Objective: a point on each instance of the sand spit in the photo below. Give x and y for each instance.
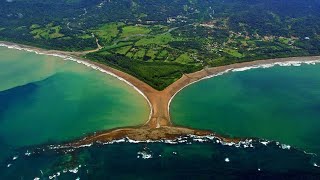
(159, 125)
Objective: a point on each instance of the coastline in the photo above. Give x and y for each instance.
(149, 135)
(159, 125)
(70, 56)
(221, 70)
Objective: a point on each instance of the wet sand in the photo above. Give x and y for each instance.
(159, 125)
(145, 134)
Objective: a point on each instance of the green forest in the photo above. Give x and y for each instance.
(158, 41)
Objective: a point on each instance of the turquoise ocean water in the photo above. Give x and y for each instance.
(279, 103)
(45, 100)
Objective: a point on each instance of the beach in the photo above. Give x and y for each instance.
(159, 125)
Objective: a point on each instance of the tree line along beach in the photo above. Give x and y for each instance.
(159, 101)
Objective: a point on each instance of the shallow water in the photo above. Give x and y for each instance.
(47, 99)
(70, 90)
(278, 103)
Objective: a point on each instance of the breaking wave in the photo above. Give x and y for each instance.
(264, 66)
(69, 58)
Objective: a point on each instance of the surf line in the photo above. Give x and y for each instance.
(263, 65)
(93, 66)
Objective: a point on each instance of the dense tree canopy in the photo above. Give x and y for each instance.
(167, 37)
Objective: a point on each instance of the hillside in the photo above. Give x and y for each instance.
(158, 41)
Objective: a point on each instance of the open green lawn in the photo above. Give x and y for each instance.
(284, 40)
(107, 32)
(116, 46)
(152, 53)
(233, 52)
(85, 36)
(160, 39)
(123, 50)
(157, 74)
(48, 32)
(140, 54)
(184, 59)
(128, 31)
(163, 55)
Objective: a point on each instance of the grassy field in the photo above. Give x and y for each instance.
(161, 39)
(123, 50)
(233, 52)
(159, 57)
(173, 34)
(107, 32)
(50, 31)
(184, 59)
(129, 31)
(157, 74)
(140, 54)
(163, 54)
(152, 54)
(85, 36)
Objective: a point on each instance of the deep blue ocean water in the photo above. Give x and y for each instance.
(24, 155)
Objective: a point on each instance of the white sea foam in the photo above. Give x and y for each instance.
(75, 170)
(308, 153)
(267, 65)
(316, 165)
(86, 145)
(69, 58)
(188, 139)
(15, 157)
(265, 142)
(284, 146)
(227, 160)
(247, 143)
(27, 153)
(57, 174)
(144, 155)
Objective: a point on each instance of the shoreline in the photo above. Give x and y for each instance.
(67, 57)
(159, 125)
(137, 135)
(269, 63)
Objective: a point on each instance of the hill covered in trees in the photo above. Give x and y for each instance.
(159, 40)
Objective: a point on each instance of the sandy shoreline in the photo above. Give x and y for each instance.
(75, 56)
(189, 79)
(159, 125)
(136, 135)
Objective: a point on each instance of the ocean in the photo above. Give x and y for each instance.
(278, 103)
(45, 101)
